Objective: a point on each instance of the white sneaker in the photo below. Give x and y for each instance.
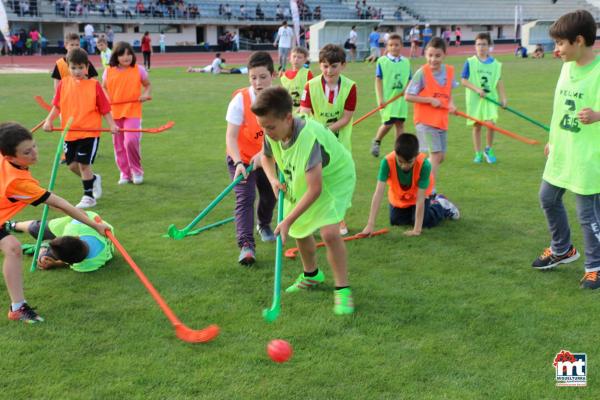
(138, 179)
(97, 188)
(448, 205)
(86, 202)
(123, 180)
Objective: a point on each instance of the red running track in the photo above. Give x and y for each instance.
(196, 59)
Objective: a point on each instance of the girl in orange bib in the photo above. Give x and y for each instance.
(128, 87)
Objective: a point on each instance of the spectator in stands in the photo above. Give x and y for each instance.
(415, 41)
(35, 39)
(398, 13)
(259, 12)
(457, 34)
(24, 8)
(351, 43)
(221, 9)
(110, 36)
(147, 49)
(446, 36)
(278, 12)
(374, 38)
(89, 38)
(286, 13)
(539, 51)
(127, 10)
(243, 12)
(317, 13)
(427, 35)
(139, 8)
(283, 41)
(227, 11)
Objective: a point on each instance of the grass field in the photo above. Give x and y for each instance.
(456, 313)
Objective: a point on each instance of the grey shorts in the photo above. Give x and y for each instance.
(284, 52)
(432, 139)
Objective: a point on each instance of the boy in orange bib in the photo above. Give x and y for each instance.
(18, 189)
(431, 91)
(85, 101)
(408, 175)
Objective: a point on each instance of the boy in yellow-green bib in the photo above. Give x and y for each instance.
(319, 182)
(482, 76)
(391, 78)
(295, 79)
(573, 149)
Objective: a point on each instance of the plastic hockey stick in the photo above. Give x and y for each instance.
(291, 253)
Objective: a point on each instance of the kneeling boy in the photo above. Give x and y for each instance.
(319, 183)
(410, 179)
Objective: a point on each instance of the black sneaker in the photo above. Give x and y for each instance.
(591, 280)
(25, 314)
(549, 260)
(266, 233)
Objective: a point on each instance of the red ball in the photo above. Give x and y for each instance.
(279, 350)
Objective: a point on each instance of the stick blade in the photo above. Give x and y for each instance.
(271, 314)
(197, 336)
(175, 233)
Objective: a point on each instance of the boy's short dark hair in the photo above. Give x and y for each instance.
(69, 249)
(101, 39)
(261, 59)
(484, 36)
(78, 56)
(11, 135)
(300, 50)
(275, 101)
(71, 36)
(437, 43)
(574, 24)
(120, 49)
(407, 146)
(395, 36)
(332, 53)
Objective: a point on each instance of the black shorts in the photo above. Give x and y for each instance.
(34, 230)
(393, 120)
(82, 151)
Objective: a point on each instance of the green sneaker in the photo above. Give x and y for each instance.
(478, 157)
(306, 282)
(490, 157)
(343, 302)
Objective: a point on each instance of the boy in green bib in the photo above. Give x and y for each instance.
(319, 183)
(331, 98)
(482, 76)
(71, 244)
(295, 79)
(573, 149)
(391, 78)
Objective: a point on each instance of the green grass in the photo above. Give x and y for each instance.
(456, 313)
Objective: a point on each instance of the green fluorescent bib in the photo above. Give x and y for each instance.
(327, 113)
(574, 159)
(486, 77)
(339, 178)
(295, 86)
(67, 226)
(395, 77)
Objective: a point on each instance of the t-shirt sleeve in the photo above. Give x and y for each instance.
(56, 72)
(465, 72)
(27, 191)
(143, 73)
(350, 104)
(416, 84)
(101, 100)
(267, 150)
(235, 110)
(425, 175)
(384, 171)
(305, 100)
(379, 72)
(56, 99)
(92, 73)
(315, 157)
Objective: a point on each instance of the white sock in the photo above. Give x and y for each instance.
(16, 306)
